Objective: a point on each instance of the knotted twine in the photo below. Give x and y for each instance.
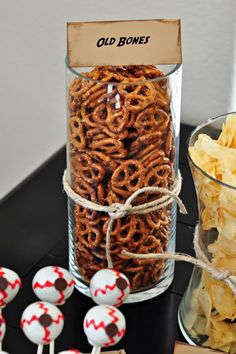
(118, 210)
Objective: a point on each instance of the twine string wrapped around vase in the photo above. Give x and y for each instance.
(117, 211)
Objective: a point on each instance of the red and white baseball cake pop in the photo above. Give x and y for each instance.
(104, 326)
(109, 287)
(42, 322)
(2, 328)
(53, 284)
(10, 284)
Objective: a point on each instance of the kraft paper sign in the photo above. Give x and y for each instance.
(124, 42)
(183, 348)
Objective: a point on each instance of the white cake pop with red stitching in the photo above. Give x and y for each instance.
(3, 352)
(109, 287)
(104, 326)
(42, 322)
(53, 284)
(10, 284)
(2, 327)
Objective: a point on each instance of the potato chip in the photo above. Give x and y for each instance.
(223, 245)
(222, 334)
(223, 300)
(227, 137)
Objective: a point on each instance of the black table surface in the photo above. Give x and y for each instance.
(33, 229)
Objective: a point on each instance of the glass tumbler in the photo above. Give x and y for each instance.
(123, 134)
(207, 313)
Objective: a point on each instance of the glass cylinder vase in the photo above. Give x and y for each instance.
(123, 134)
(207, 313)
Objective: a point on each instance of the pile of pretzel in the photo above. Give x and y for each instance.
(121, 140)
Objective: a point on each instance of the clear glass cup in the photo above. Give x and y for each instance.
(207, 311)
(123, 134)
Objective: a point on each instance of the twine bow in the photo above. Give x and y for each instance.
(117, 211)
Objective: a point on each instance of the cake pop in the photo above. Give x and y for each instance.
(104, 326)
(10, 284)
(42, 323)
(109, 287)
(53, 284)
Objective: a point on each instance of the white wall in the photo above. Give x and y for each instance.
(32, 74)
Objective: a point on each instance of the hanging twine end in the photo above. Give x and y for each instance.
(125, 254)
(183, 210)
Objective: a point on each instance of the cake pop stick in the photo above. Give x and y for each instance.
(96, 350)
(52, 347)
(10, 284)
(2, 330)
(109, 287)
(104, 326)
(53, 284)
(40, 349)
(42, 323)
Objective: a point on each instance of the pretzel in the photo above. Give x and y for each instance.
(137, 95)
(157, 219)
(117, 120)
(145, 152)
(103, 159)
(114, 119)
(130, 230)
(162, 120)
(140, 280)
(162, 234)
(128, 177)
(169, 143)
(81, 213)
(83, 188)
(156, 272)
(88, 170)
(95, 133)
(75, 100)
(144, 140)
(109, 146)
(151, 245)
(148, 71)
(154, 158)
(84, 252)
(146, 121)
(77, 136)
(95, 218)
(88, 235)
(115, 74)
(157, 176)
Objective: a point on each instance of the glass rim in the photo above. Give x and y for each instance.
(75, 72)
(200, 126)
